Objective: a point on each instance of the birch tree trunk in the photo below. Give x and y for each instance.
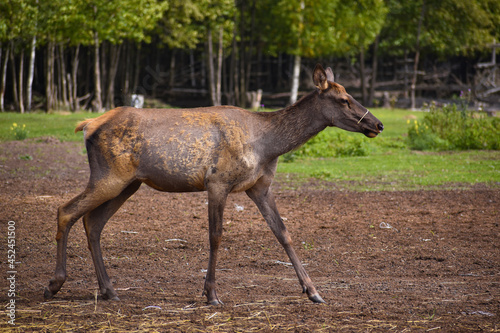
(295, 79)
(21, 82)
(5, 60)
(31, 73)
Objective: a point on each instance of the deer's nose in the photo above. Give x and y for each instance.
(380, 127)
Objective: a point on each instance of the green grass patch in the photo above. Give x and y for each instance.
(404, 170)
(61, 126)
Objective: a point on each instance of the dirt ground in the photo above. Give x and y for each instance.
(383, 261)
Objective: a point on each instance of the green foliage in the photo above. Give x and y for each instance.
(454, 128)
(449, 27)
(313, 28)
(178, 28)
(118, 20)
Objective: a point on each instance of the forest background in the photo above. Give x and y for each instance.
(94, 55)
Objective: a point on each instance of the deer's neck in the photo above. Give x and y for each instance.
(289, 128)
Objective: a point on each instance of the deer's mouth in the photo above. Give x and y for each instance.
(373, 133)
(370, 134)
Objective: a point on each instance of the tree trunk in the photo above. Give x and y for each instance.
(295, 80)
(31, 73)
(211, 70)
(114, 56)
(362, 75)
(417, 58)
(74, 72)
(21, 82)
(219, 68)
(126, 74)
(137, 69)
(103, 62)
(280, 72)
(171, 79)
(374, 71)
(97, 104)
(4, 78)
(62, 77)
(241, 98)
(406, 72)
(49, 77)
(248, 57)
(191, 69)
(1, 73)
(233, 72)
(14, 78)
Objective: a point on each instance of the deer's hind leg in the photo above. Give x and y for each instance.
(96, 193)
(94, 221)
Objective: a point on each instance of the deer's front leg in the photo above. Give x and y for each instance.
(263, 198)
(216, 204)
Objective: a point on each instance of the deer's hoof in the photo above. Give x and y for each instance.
(316, 298)
(215, 302)
(47, 294)
(110, 297)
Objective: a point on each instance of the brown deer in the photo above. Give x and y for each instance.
(221, 150)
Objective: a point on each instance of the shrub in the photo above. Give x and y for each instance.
(452, 128)
(421, 137)
(20, 132)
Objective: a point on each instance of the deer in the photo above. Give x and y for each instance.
(218, 149)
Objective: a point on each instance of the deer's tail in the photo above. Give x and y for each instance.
(82, 125)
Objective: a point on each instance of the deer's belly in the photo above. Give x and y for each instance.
(233, 174)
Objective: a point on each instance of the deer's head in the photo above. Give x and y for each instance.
(341, 108)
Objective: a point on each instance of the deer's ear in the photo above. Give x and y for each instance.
(329, 75)
(320, 77)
